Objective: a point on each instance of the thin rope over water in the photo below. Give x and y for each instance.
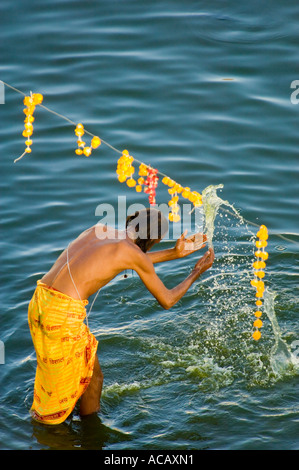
(174, 188)
(70, 122)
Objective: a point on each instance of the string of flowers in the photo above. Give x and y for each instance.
(125, 172)
(148, 177)
(30, 102)
(82, 148)
(259, 273)
(175, 189)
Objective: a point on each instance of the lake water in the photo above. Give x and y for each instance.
(201, 91)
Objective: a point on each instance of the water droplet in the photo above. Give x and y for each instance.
(280, 248)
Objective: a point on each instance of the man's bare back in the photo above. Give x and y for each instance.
(100, 253)
(95, 257)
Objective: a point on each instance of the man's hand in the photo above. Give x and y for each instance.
(205, 262)
(185, 246)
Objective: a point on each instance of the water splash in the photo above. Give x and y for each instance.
(281, 359)
(211, 204)
(229, 309)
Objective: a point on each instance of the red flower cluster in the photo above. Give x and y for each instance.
(151, 182)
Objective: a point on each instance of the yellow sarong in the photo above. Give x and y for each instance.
(65, 352)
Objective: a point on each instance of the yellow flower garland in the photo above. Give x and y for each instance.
(259, 273)
(82, 148)
(30, 102)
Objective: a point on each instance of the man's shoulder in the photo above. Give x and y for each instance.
(132, 253)
(121, 246)
(129, 247)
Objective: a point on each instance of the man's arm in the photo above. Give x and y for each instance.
(168, 297)
(162, 255)
(184, 247)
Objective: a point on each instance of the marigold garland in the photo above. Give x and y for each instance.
(30, 102)
(148, 176)
(82, 148)
(125, 172)
(259, 273)
(175, 189)
(148, 182)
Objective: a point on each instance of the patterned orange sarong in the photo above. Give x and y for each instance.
(65, 352)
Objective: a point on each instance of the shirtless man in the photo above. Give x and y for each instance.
(101, 253)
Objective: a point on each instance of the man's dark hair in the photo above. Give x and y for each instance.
(154, 226)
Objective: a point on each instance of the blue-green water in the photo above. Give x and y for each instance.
(152, 77)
